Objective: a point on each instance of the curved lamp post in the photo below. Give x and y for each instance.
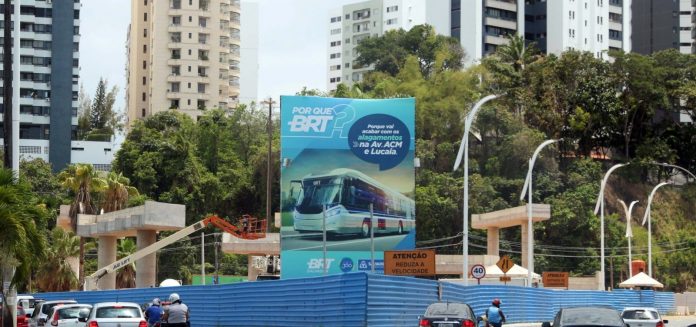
(527, 189)
(664, 164)
(599, 208)
(647, 217)
(629, 232)
(464, 151)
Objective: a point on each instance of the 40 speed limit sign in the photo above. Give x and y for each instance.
(478, 272)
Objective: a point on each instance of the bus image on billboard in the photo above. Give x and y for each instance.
(346, 196)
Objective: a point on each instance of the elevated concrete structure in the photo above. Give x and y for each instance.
(494, 221)
(142, 222)
(269, 245)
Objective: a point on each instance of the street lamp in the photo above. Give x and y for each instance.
(629, 232)
(464, 150)
(647, 216)
(527, 188)
(599, 208)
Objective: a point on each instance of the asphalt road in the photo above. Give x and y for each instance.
(674, 321)
(297, 242)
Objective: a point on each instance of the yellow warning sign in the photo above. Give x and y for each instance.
(505, 264)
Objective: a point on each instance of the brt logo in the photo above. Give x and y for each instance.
(317, 264)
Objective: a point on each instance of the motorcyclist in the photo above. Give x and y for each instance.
(153, 314)
(495, 315)
(177, 314)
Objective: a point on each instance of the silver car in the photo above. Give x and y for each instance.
(643, 317)
(115, 314)
(42, 309)
(68, 315)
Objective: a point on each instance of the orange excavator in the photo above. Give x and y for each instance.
(251, 229)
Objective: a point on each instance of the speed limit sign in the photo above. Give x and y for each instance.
(478, 272)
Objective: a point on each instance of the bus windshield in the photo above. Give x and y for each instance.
(318, 192)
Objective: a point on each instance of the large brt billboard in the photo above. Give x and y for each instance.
(339, 158)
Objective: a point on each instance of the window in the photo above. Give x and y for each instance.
(336, 19)
(176, 70)
(144, 48)
(176, 20)
(335, 43)
(200, 104)
(175, 37)
(145, 16)
(335, 80)
(174, 87)
(347, 65)
(175, 4)
(201, 88)
(392, 8)
(176, 53)
(335, 31)
(335, 67)
(144, 80)
(174, 104)
(614, 35)
(143, 112)
(144, 64)
(145, 32)
(144, 96)
(391, 21)
(335, 55)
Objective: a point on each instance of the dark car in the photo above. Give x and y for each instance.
(586, 317)
(448, 314)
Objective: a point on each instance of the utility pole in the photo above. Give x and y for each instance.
(216, 279)
(269, 126)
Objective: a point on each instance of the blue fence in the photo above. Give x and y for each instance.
(360, 299)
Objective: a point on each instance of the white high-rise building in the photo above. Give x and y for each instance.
(249, 53)
(354, 22)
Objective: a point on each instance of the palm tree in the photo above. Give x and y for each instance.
(117, 192)
(55, 274)
(82, 180)
(21, 243)
(125, 278)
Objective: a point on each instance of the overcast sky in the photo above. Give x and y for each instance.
(292, 44)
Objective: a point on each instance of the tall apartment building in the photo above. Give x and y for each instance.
(49, 86)
(183, 55)
(556, 26)
(664, 25)
(249, 53)
(354, 22)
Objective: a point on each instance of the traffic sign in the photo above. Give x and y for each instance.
(478, 271)
(505, 264)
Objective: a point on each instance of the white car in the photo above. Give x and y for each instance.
(68, 315)
(643, 317)
(115, 314)
(27, 302)
(42, 309)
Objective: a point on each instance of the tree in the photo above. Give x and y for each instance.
(84, 113)
(21, 243)
(125, 278)
(117, 192)
(388, 52)
(55, 273)
(104, 121)
(82, 180)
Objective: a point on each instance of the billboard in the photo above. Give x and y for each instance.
(341, 158)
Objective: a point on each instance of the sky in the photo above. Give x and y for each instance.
(292, 44)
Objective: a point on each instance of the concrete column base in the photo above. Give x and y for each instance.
(252, 273)
(106, 254)
(493, 241)
(146, 267)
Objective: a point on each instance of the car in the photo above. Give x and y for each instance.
(643, 317)
(586, 317)
(448, 314)
(42, 309)
(22, 319)
(27, 302)
(115, 314)
(68, 315)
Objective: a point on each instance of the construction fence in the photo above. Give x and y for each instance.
(362, 299)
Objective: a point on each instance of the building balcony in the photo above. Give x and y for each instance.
(508, 24)
(615, 26)
(614, 43)
(496, 39)
(509, 5)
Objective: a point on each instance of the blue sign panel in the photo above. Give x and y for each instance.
(347, 171)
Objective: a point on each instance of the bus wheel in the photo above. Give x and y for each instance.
(401, 227)
(365, 229)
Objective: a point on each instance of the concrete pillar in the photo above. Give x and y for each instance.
(146, 267)
(252, 272)
(525, 264)
(106, 254)
(493, 241)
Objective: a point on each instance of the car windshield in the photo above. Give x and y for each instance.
(118, 312)
(318, 192)
(46, 308)
(69, 313)
(639, 314)
(591, 317)
(447, 309)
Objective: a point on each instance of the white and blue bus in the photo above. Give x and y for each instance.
(347, 195)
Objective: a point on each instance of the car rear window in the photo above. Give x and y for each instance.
(70, 313)
(639, 315)
(591, 317)
(46, 308)
(447, 309)
(118, 312)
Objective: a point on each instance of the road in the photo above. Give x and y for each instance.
(298, 242)
(674, 321)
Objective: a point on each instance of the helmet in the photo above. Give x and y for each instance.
(496, 302)
(156, 301)
(174, 297)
